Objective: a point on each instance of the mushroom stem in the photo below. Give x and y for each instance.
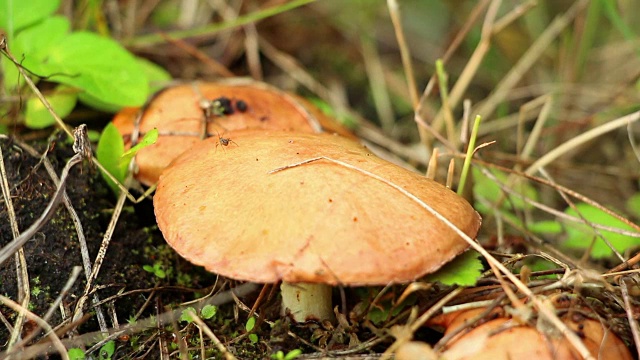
(307, 301)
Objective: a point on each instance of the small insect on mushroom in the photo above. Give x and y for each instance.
(224, 141)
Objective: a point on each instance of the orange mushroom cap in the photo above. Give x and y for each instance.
(316, 223)
(178, 114)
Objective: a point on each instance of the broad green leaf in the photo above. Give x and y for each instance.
(18, 14)
(487, 188)
(149, 138)
(579, 235)
(253, 338)
(464, 270)
(157, 76)
(62, 100)
(633, 205)
(109, 152)
(99, 66)
(32, 45)
(546, 227)
(208, 311)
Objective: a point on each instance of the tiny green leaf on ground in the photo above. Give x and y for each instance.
(109, 153)
(464, 270)
(98, 65)
(62, 100)
(107, 350)
(579, 236)
(75, 354)
(208, 311)
(187, 314)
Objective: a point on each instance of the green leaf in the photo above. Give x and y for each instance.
(32, 45)
(208, 311)
(17, 14)
(107, 350)
(251, 322)
(253, 338)
(62, 100)
(99, 66)
(633, 205)
(75, 354)
(293, 354)
(464, 270)
(148, 268)
(149, 138)
(546, 227)
(187, 315)
(488, 189)
(579, 236)
(157, 76)
(109, 152)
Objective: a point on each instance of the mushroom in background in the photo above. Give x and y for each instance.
(310, 226)
(501, 337)
(180, 113)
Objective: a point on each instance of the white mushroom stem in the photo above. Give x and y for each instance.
(307, 301)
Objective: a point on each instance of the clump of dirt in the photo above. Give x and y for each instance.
(52, 254)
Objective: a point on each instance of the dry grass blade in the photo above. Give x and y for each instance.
(24, 293)
(55, 340)
(581, 139)
(48, 212)
(211, 335)
(631, 317)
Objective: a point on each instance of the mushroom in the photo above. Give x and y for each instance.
(502, 337)
(178, 113)
(311, 226)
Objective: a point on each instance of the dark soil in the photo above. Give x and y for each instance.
(53, 253)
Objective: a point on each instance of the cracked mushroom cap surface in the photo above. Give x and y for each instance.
(320, 222)
(177, 113)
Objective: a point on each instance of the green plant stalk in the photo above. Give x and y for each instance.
(467, 158)
(215, 28)
(443, 83)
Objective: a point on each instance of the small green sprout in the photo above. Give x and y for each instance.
(289, 356)
(251, 323)
(156, 269)
(187, 315)
(208, 311)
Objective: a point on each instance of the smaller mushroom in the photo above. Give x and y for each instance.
(182, 113)
(311, 226)
(501, 337)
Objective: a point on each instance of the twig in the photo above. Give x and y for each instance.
(581, 139)
(84, 250)
(100, 258)
(65, 289)
(48, 212)
(628, 307)
(211, 335)
(55, 340)
(24, 293)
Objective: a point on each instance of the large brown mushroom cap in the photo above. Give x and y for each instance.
(178, 115)
(317, 223)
